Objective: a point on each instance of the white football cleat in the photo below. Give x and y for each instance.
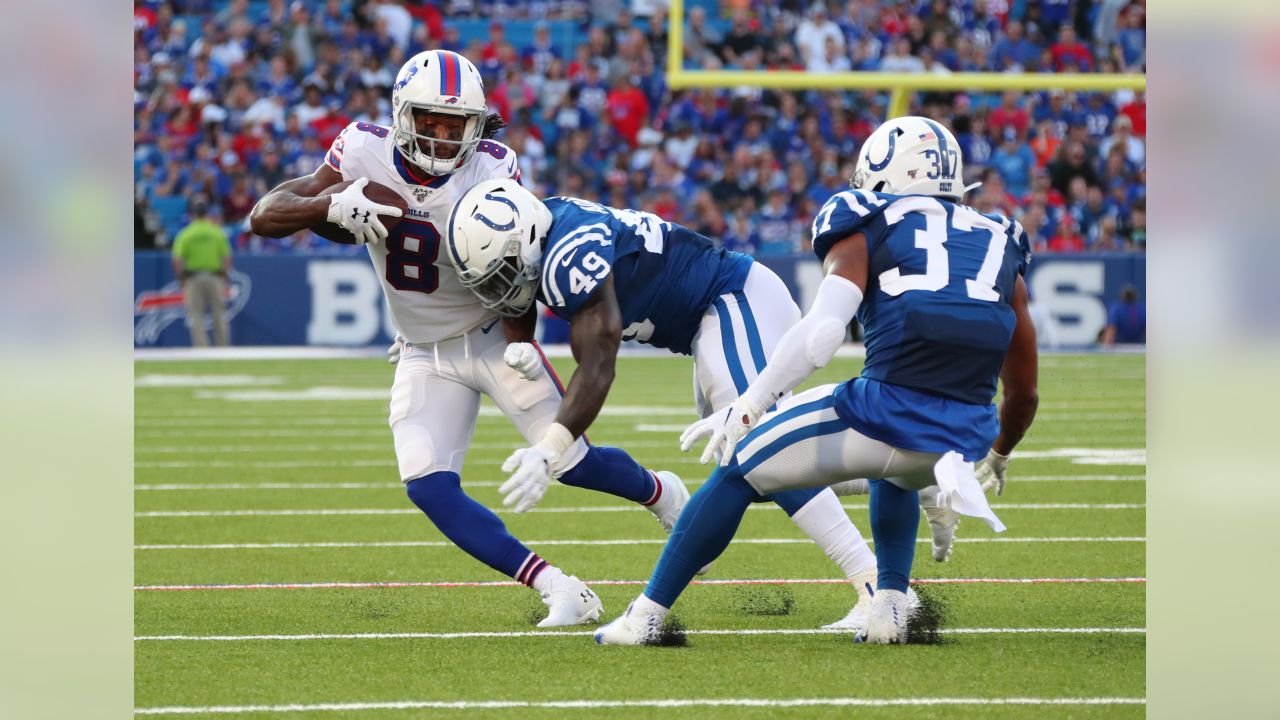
(856, 620)
(943, 522)
(630, 630)
(673, 499)
(887, 621)
(571, 603)
(671, 503)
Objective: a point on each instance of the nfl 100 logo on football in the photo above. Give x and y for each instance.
(156, 310)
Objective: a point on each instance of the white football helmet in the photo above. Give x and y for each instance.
(911, 156)
(495, 237)
(444, 82)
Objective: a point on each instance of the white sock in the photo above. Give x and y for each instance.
(826, 523)
(865, 584)
(644, 606)
(549, 574)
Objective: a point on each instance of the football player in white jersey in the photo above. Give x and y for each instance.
(434, 151)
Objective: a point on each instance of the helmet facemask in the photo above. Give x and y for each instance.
(434, 157)
(437, 82)
(509, 285)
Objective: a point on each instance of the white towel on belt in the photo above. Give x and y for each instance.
(960, 491)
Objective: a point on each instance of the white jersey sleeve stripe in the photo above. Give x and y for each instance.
(550, 285)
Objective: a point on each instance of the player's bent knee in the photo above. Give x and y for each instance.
(427, 490)
(415, 450)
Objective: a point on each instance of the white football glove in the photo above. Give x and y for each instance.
(397, 347)
(524, 359)
(531, 469)
(725, 430)
(357, 214)
(990, 472)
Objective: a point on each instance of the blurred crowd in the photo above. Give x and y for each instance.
(233, 97)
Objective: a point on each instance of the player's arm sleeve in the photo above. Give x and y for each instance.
(573, 271)
(333, 158)
(809, 344)
(846, 213)
(1019, 238)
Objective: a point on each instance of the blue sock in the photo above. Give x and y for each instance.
(895, 517)
(705, 527)
(793, 500)
(613, 471)
(473, 527)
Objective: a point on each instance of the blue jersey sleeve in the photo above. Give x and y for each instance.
(573, 269)
(1019, 238)
(846, 213)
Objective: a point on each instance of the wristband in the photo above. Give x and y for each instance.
(556, 441)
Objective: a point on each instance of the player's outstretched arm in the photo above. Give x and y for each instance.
(808, 345)
(595, 332)
(1019, 377)
(293, 205)
(521, 354)
(811, 343)
(521, 329)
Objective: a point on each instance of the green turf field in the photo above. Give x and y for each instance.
(283, 473)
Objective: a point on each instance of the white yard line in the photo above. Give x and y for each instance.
(586, 509)
(386, 447)
(160, 487)
(608, 704)
(512, 583)
(588, 633)
(593, 543)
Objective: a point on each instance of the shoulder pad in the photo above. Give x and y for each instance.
(574, 265)
(847, 212)
(498, 160)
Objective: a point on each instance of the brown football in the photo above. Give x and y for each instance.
(376, 192)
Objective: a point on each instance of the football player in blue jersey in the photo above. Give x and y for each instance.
(622, 274)
(939, 290)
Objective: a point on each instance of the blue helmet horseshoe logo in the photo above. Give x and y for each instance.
(509, 225)
(893, 141)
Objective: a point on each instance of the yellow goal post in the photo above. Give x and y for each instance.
(901, 85)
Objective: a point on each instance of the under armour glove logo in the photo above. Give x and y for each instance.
(355, 215)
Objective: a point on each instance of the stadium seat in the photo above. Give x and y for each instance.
(172, 212)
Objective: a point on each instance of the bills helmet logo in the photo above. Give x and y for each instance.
(451, 101)
(413, 70)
